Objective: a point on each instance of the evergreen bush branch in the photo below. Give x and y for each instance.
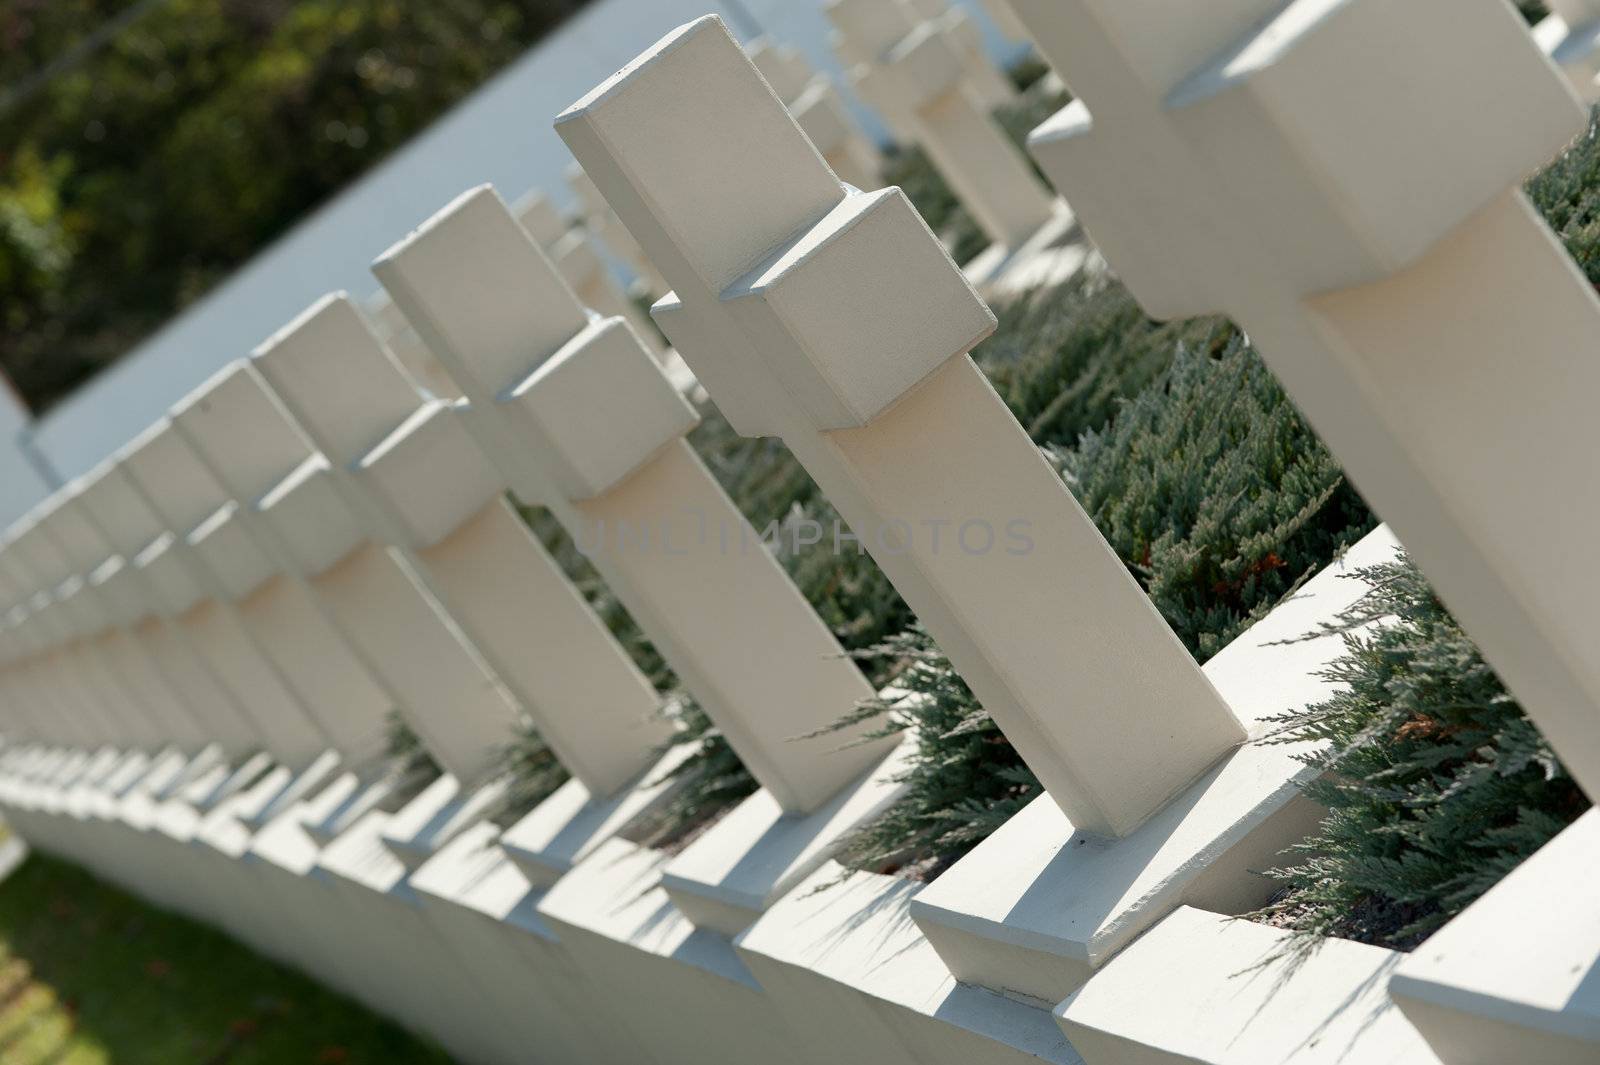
(1435, 781)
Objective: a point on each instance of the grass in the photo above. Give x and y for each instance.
(90, 975)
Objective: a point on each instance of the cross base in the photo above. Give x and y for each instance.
(689, 996)
(567, 827)
(1516, 976)
(1036, 908)
(1202, 988)
(858, 981)
(478, 898)
(727, 878)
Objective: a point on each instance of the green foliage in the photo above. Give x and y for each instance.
(1532, 10)
(1213, 489)
(534, 774)
(963, 781)
(1066, 358)
(1567, 193)
(1436, 782)
(149, 168)
(406, 761)
(40, 32)
(90, 975)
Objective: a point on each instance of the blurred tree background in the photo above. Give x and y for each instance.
(150, 147)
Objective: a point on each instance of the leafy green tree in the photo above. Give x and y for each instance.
(36, 245)
(194, 136)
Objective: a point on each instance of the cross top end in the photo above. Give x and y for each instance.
(74, 532)
(589, 400)
(785, 69)
(117, 508)
(790, 291)
(483, 296)
(1186, 152)
(873, 27)
(337, 379)
(730, 176)
(172, 477)
(539, 217)
(236, 423)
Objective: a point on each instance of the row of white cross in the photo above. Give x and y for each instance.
(206, 634)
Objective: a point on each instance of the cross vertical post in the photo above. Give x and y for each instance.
(835, 321)
(591, 428)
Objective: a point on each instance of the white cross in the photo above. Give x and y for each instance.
(281, 514)
(1570, 36)
(1371, 235)
(574, 252)
(589, 426)
(914, 74)
(64, 677)
(291, 729)
(988, 82)
(271, 638)
(262, 621)
(108, 626)
(816, 105)
(417, 477)
(835, 321)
